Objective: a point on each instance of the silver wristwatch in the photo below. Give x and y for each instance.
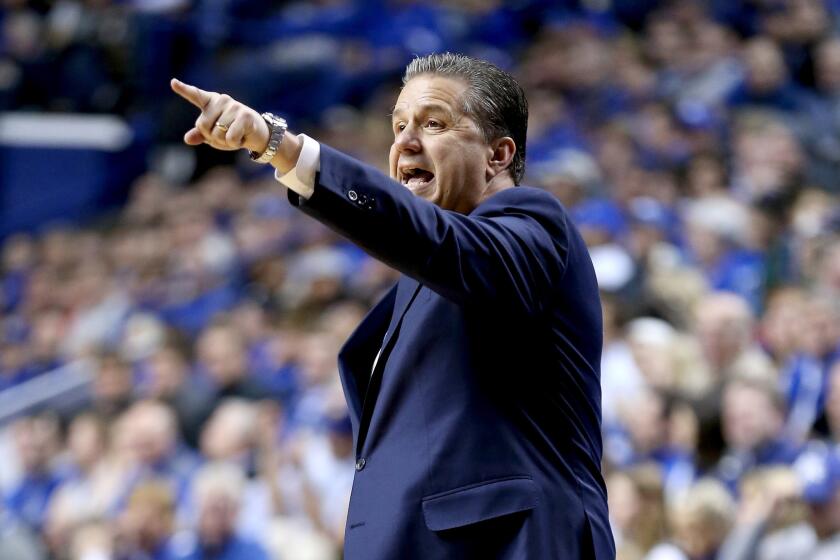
(277, 126)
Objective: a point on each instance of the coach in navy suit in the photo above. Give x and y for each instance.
(473, 385)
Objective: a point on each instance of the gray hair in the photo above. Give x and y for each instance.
(494, 100)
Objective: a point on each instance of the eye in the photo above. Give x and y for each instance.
(399, 127)
(433, 123)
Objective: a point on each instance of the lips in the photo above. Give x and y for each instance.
(415, 177)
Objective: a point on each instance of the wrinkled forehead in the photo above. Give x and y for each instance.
(429, 92)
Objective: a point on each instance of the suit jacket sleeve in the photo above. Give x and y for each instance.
(509, 250)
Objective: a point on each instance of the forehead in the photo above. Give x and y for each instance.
(429, 91)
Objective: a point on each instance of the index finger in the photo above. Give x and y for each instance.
(194, 95)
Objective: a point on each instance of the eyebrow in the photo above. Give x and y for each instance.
(427, 108)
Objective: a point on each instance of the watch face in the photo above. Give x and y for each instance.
(274, 120)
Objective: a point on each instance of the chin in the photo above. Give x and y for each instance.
(431, 196)
(426, 192)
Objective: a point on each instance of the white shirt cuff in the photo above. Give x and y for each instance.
(301, 178)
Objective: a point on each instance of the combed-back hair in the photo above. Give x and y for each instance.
(494, 99)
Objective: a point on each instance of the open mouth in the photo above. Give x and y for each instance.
(415, 177)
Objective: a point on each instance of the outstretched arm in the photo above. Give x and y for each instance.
(510, 252)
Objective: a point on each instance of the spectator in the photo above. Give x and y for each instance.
(699, 522)
(91, 483)
(169, 380)
(319, 376)
(231, 436)
(99, 309)
(823, 125)
(112, 388)
(621, 379)
(648, 420)
(752, 421)
(771, 523)
(151, 438)
(92, 539)
(145, 528)
(724, 324)
(221, 353)
(779, 329)
(805, 374)
(652, 343)
(218, 491)
(325, 463)
(637, 510)
(767, 82)
(36, 441)
(716, 237)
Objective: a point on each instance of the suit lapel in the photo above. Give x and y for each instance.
(356, 356)
(407, 290)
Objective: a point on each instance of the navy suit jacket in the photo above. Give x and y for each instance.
(477, 435)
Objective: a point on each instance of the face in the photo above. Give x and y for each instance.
(113, 380)
(166, 370)
(86, 441)
(216, 519)
(223, 354)
(766, 67)
(723, 331)
(646, 423)
(439, 152)
(749, 417)
(624, 500)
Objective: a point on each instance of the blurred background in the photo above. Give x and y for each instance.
(169, 325)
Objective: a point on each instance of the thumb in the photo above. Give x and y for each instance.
(194, 137)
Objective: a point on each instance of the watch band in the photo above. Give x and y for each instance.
(277, 126)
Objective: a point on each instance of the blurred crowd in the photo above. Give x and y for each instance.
(695, 144)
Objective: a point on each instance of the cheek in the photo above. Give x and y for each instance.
(392, 162)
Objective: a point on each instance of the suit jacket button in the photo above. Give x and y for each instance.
(352, 195)
(360, 464)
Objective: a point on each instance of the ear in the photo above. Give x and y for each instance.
(503, 150)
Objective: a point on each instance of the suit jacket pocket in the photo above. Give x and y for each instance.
(479, 502)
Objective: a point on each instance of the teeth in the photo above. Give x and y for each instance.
(409, 175)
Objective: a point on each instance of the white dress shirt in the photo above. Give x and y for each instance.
(301, 178)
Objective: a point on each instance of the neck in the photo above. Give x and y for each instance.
(495, 185)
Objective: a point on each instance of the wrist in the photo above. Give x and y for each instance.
(277, 132)
(258, 142)
(287, 153)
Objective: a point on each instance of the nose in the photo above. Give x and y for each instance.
(407, 140)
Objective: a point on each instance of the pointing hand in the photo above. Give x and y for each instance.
(224, 123)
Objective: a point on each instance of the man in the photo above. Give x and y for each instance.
(146, 526)
(36, 440)
(752, 422)
(218, 493)
(473, 386)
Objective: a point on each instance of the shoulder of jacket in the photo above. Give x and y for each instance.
(530, 198)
